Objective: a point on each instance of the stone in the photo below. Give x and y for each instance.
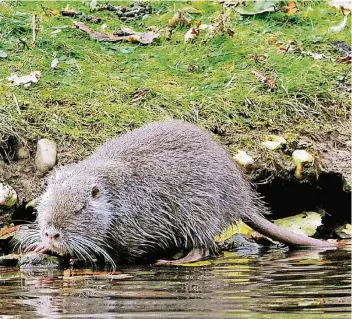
(274, 142)
(8, 196)
(45, 158)
(23, 152)
(38, 260)
(299, 157)
(243, 159)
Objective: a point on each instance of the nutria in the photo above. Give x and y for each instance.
(164, 185)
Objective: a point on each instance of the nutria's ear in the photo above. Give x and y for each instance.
(95, 191)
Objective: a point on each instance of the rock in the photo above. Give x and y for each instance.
(344, 231)
(33, 203)
(8, 196)
(37, 260)
(240, 243)
(274, 142)
(243, 159)
(23, 152)
(45, 157)
(299, 157)
(10, 260)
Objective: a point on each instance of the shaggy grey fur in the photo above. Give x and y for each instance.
(165, 185)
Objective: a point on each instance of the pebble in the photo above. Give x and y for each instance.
(274, 142)
(45, 157)
(23, 152)
(299, 157)
(243, 158)
(38, 260)
(8, 196)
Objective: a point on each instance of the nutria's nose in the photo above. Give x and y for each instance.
(52, 234)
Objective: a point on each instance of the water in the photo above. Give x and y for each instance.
(273, 284)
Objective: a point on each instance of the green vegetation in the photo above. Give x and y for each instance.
(88, 96)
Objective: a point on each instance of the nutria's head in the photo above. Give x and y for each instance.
(74, 214)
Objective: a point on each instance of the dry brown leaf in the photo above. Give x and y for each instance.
(230, 32)
(260, 58)
(291, 8)
(191, 34)
(268, 82)
(125, 34)
(8, 232)
(346, 59)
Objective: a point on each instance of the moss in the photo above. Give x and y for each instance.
(87, 98)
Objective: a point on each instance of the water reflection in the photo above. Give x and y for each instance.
(274, 284)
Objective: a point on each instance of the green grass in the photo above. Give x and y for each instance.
(88, 99)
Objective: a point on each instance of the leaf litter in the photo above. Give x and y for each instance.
(125, 34)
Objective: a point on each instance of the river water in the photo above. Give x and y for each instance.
(271, 284)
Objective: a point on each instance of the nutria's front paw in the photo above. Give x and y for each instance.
(193, 256)
(40, 248)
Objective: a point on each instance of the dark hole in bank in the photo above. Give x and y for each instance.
(327, 193)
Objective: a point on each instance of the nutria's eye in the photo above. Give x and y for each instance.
(95, 191)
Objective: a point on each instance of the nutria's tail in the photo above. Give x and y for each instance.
(265, 227)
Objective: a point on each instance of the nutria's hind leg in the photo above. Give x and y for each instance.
(193, 256)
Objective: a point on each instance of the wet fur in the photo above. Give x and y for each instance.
(165, 185)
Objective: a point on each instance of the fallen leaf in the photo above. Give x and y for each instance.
(54, 63)
(291, 8)
(344, 231)
(230, 32)
(316, 56)
(127, 35)
(340, 26)
(346, 59)
(8, 232)
(304, 224)
(221, 24)
(269, 82)
(191, 34)
(258, 57)
(238, 228)
(3, 54)
(26, 80)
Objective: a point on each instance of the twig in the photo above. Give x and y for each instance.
(16, 102)
(34, 33)
(229, 83)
